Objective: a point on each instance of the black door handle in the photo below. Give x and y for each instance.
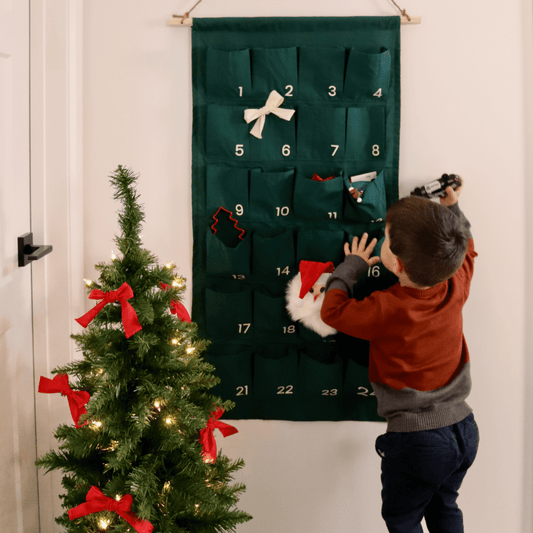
(29, 252)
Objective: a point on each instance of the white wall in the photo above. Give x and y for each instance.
(465, 71)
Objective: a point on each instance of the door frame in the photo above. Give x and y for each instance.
(58, 292)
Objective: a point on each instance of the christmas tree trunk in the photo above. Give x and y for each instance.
(141, 454)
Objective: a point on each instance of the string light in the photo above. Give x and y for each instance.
(88, 282)
(190, 350)
(168, 421)
(178, 282)
(102, 524)
(97, 424)
(113, 256)
(170, 265)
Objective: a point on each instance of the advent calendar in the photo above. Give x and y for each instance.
(295, 151)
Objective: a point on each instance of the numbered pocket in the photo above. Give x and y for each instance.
(228, 74)
(227, 188)
(271, 196)
(372, 206)
(368, 75)
(319, 200)
(321, 133)
(275, 69)
(271, 319)
(321, 383)
(321, 74)
(278, 140)
(222, 260)
(360, 402)
(276, 376)
(274, 258)
(233, 365)
(320, 245)
(227, 135)
(365, 133)
(229, 315)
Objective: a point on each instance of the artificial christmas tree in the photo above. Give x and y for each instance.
(141, 454)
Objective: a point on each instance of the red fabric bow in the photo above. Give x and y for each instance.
(76, 399)
(97, 501)
(177, 308)
(207, 439)
(122, 294)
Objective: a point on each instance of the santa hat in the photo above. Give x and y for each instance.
(310, 272)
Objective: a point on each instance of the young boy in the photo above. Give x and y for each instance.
(419, 363)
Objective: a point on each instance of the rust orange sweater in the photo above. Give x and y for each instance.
(419, 361)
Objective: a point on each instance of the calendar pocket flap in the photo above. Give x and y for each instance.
(228, 74)
(367, 75)
(321, 133)
(321, 73)
(319, 200)
(222, 260)
(275, 69)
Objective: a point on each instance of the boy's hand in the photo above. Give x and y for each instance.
(362, 250)
(452, 196)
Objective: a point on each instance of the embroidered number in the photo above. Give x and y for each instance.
(239, 150)
(285, 271)
(242, 391)
(332, 90)
(378, 93)
(243, 328)
(240, 92)
(239, 210)
(331, 392)
(289, 89)
(332, 214)
(335, 148)
(375, 150)
(364, 392)
(374, 271)
(282, 211)
(286, 150)
(289, 329)
(285, 389)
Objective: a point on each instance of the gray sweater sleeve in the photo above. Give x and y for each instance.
(347, 273)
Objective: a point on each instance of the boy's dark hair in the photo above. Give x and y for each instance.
(428, 238)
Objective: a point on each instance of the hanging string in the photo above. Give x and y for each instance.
(402, 11)
(186, 16)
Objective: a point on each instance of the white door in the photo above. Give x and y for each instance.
(18, 487)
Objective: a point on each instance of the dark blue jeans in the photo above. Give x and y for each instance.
(421, 473)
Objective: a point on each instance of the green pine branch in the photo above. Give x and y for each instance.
(150, 398)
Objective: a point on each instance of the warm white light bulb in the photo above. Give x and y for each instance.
(102, 524)
(113, 256)
(168, 421)
(88, 282)
(190, 349)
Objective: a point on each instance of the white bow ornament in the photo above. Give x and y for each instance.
(273, 102)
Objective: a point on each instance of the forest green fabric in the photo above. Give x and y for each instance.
(290, 192)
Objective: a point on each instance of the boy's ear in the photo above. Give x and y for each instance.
(399, 265)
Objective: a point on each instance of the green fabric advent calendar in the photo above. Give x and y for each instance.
(293, 184)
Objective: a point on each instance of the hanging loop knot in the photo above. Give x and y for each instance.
(272, 105)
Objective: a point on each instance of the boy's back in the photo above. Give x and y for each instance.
(419, 366)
